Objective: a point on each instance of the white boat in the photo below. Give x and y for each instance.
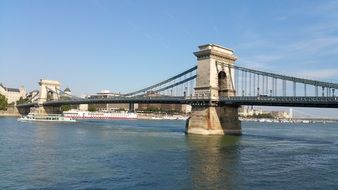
(175, 117)
(49, 118)
(76, 114)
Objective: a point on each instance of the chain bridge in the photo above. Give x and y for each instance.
(215, 88)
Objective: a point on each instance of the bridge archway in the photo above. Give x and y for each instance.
(50, 95)
(222, 83)
(48, 89)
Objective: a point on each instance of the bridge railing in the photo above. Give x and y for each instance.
(281, 98)
(331, 102)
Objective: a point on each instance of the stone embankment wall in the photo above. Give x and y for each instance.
(11, 111)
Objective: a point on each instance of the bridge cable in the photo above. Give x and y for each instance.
(161, 83)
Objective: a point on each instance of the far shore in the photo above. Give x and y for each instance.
(9, 115)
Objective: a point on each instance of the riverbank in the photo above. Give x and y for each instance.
(9, 115)
(11, 111)
(293, 120)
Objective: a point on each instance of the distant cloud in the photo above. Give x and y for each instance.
(315, 45)
(282, 18)
(309, 42)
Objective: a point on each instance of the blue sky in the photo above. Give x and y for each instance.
(90, 45)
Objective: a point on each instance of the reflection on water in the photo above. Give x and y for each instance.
(158, 155)
(213, 161)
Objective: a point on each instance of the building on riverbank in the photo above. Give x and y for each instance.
(248, 111)
(176, 108)
(12, 94)
(251, 112)
(281, 115)
(104, 94)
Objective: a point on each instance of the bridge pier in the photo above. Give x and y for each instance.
(211, 120)
(214, 80)
(204, 120)
(228, 116)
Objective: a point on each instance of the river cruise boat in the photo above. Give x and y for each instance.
(76, 114)
(47, 118)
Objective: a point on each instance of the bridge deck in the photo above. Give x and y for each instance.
(323, 102)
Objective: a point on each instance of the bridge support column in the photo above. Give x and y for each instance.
(204, 121)
(215, 79)
(211, 120)
(131, 107)
(228, 116)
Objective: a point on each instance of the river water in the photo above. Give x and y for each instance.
(158, 155)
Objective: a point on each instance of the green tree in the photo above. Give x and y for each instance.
(3, 102)
(21, 101)
(152, 109)
(65, 98)
(66, 107)
(91, 108)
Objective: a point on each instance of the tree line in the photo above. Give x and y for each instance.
(3, 102)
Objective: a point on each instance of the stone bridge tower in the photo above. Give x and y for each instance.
(48, 89)
(214, 80)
